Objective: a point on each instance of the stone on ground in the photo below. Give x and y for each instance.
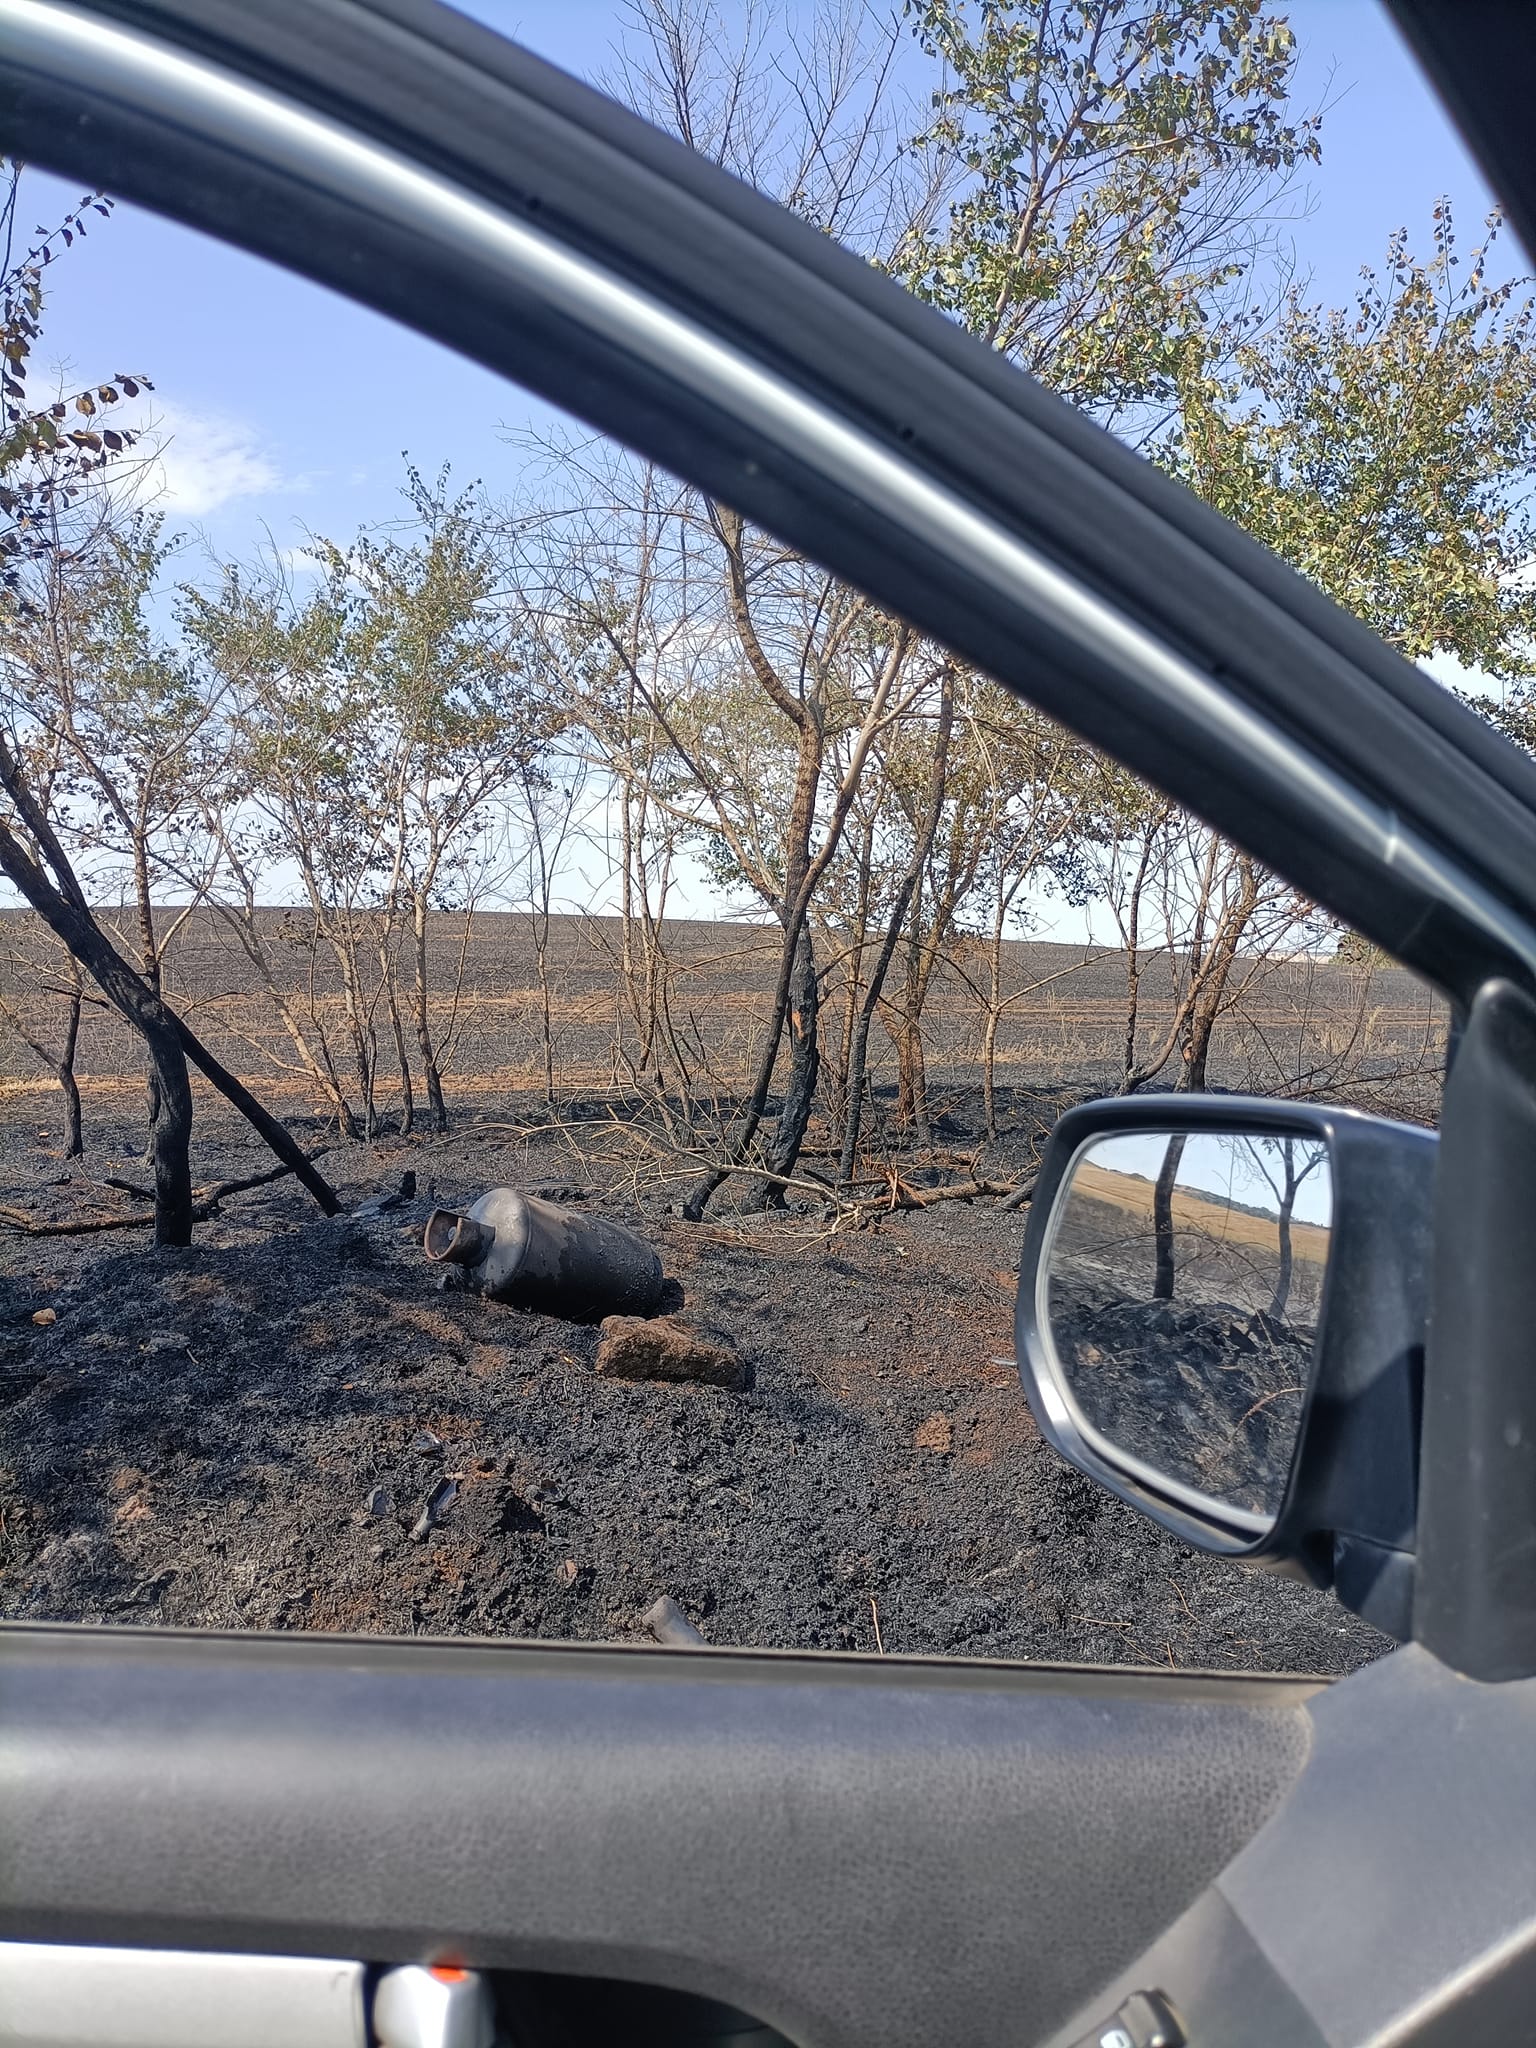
(666, 1348)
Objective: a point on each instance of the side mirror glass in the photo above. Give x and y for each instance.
(1221, 1320)
(1184, 1285)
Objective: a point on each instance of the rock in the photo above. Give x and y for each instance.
(439, 1500)
(425, 1444)
(666, 1348)
(933, 1435)
(44, 1317)
(378, 1502)
(668, 1624)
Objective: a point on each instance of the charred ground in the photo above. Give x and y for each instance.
(245, 1434)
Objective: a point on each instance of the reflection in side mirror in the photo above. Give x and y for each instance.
(1184, 1283)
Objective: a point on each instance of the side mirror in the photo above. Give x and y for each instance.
(1221, 1319)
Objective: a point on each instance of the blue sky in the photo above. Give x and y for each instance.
(1244, 1171)
(288, 408)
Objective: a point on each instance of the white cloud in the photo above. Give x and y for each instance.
(203, 460)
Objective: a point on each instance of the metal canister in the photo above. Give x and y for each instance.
(542, 1255)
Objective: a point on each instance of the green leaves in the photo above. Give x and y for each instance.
(42, 469)
(1387, 452)
(378, 718)
(1113, 159)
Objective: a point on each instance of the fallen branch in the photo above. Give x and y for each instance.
(209, 1198)
(17, 1219)
(899, 1195)
(205, 1203)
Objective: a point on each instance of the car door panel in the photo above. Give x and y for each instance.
(1389, 1898)
(852, 1850)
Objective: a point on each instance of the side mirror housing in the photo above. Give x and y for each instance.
(1221, 1318)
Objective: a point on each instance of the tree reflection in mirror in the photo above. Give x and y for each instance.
(1185, 1279)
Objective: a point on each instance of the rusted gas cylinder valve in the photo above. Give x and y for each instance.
(541, 1255)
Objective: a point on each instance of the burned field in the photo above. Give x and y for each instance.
(294, 1425)
(1370, 1035)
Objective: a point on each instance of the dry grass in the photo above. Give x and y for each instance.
(1212, 1219)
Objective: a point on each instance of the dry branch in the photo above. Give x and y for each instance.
(205, 1203)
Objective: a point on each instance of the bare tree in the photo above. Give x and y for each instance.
(1276, 1161)
(55, 972)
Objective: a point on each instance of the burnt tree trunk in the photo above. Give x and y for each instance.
(804, 1066)
(911, 1066)
(149, 954)
(1210, 996)
(169, 1041)
(1163, 1274)
(1280, 1299)
(61, 1064)
(431, 1073)
(170, 1135)
(69, 1087)
(922, 846)
(397, 1033)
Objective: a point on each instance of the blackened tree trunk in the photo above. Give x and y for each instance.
(397, 1033)
(69, 1087)
(1289, 1189)
(911, 1066)
(1163, 1275)
(1209, 994)
(421, 1015)
(1280, 1300)
(149, 967)
(922, 846)
(170, 1135)
(68, 916)
(61, 1064)
(804, 1066)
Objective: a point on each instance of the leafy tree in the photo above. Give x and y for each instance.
(1084, 189)
(379, 722)
(1114, 166)
(1388, 452)
(441, 649)
(133, 740)
(56, 514)
(50, 452)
